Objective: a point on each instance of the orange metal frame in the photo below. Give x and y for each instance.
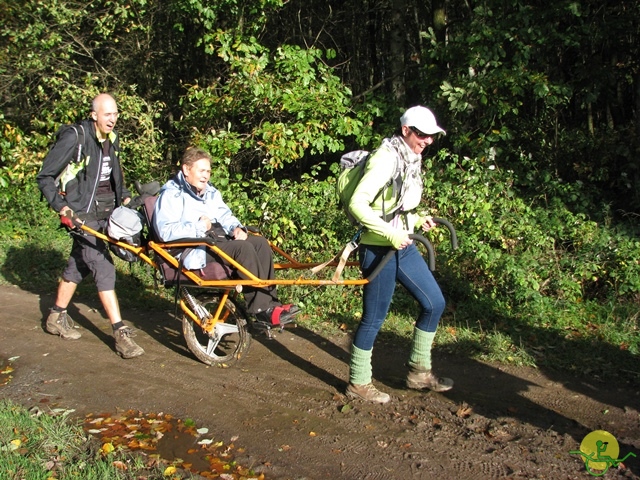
(161, 249)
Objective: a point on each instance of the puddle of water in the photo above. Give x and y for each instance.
(161, 438)
(6, 370)
(176, 442)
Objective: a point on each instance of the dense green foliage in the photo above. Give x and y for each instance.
(538, 171)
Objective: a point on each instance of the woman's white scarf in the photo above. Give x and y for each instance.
(410, 165)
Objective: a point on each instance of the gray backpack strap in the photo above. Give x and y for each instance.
(80, 140)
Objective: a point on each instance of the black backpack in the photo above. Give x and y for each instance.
(78, 162)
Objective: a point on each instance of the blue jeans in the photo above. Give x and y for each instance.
(407, 267)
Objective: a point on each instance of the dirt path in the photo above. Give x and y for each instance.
(284, 402)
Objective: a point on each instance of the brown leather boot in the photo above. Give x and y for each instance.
(421, 379)
(59, 323)
(126, 347)
(367, 392)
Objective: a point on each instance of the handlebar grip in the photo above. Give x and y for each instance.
(392, 252)
(452, 231)
(428, 246)
(383, 262)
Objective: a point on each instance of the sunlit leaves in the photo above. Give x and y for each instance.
(285, 103)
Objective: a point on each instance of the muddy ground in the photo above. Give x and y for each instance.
(284, 401)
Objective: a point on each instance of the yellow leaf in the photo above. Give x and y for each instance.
(169, 471)
(108, 448)
(312, 434)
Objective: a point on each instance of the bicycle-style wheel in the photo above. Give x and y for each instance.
(227, 342)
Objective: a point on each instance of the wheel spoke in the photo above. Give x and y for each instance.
(226, 342)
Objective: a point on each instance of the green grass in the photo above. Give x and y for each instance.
(41, 446)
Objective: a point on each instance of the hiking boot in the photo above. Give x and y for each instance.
(126, 347)
(59, 323)
(367, 392)
(421, 379)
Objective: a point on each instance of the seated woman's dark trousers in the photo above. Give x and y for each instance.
(256, 256)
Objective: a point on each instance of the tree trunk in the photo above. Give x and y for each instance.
(637, 105)
(397, 33)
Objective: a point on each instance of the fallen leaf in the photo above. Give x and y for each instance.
(108, 448)
(63, 411)
(170, 470)
(464, 411)
(312, 434)
(120, 465)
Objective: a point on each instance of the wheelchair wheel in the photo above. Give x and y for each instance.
(229, 340)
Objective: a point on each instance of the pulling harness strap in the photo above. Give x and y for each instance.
(351, 246)
(344, 255)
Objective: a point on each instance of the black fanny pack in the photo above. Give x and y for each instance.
(217, 233)
(104, 205)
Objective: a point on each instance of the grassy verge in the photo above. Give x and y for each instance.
(52, 445)
(39, 446)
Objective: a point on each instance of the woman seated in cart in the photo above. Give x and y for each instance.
(190, 207)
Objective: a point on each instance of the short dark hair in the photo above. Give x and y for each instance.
(192, 155)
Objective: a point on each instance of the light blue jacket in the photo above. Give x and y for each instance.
(177, 215)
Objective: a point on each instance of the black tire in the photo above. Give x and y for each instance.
(233, 341)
